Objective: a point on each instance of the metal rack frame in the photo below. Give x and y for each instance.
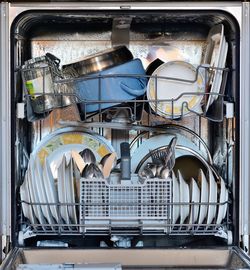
(215, 112)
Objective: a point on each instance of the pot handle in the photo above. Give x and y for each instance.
(133, 92)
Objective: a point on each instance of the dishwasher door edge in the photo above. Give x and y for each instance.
(5, 131)
(245, 128)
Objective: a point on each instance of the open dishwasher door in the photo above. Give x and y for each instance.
(117, 222)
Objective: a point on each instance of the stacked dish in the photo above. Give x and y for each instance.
(199, 194)
(201, 202)
(215, 57)
(50, 188)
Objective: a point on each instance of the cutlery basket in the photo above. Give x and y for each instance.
(131, 204)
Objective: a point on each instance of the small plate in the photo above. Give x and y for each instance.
(34, 192)
(69, 184)
(223, 198)
(211, 213)
(32, 216)
(184, 198)
(195, 198)
(50, 189)
(172, 88)
(176, 199)
(42, 194)
(24, 197)
(62, 191)
(204, 197)
(216, 58)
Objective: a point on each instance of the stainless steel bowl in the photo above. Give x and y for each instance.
(98, 62)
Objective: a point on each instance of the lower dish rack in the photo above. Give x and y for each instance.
(131, 207)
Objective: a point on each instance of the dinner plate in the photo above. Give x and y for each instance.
(31, 213)
(226, 205)
(195, 198)
(34, 192)
(64, 140)
(24, 197)
(50, 188)
(211, 212)
(204, 197)
(38, 172)
(62, 191)
(222, 209)
(216, 58)
(218, 75)
(70, 191)
(172, 89)
(184, 198)
(176, 199)
(156, 141)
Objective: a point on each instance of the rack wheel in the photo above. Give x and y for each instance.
(229, 237)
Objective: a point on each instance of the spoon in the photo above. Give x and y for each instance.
(88, 156)
(78, 161)
(108, 162)
(147, 173)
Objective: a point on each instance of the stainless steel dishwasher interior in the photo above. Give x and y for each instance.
(72, 35)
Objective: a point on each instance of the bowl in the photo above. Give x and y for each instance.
(111, 87)
(189, 166)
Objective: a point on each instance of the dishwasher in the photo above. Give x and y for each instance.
(125, 135)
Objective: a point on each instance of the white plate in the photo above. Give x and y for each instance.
(69, 184)
(31, 213)
(62, 191)
(218, 59)
(169, 89)
(223, 198)
(195, 198)
(204, 197)
(24, 197)
(184, 198)
(226, 205)
(38, 172)
(137, 154)
(34, 191)
(176, 199)
(211, 213)
(50, 189)
(63, 141)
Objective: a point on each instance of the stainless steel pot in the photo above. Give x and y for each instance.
(98, 62)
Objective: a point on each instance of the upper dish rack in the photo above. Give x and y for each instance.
(150, 97)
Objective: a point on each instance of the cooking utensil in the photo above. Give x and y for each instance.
(107, 163)
(99, 61)
(125, 161)
(165, 156)
(92, 171)
(147, 173)
(87, 156)
(78, 160)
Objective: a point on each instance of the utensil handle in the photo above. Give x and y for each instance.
(134, 92)
(125, 161)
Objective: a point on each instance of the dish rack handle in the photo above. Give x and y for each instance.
(134, 92)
